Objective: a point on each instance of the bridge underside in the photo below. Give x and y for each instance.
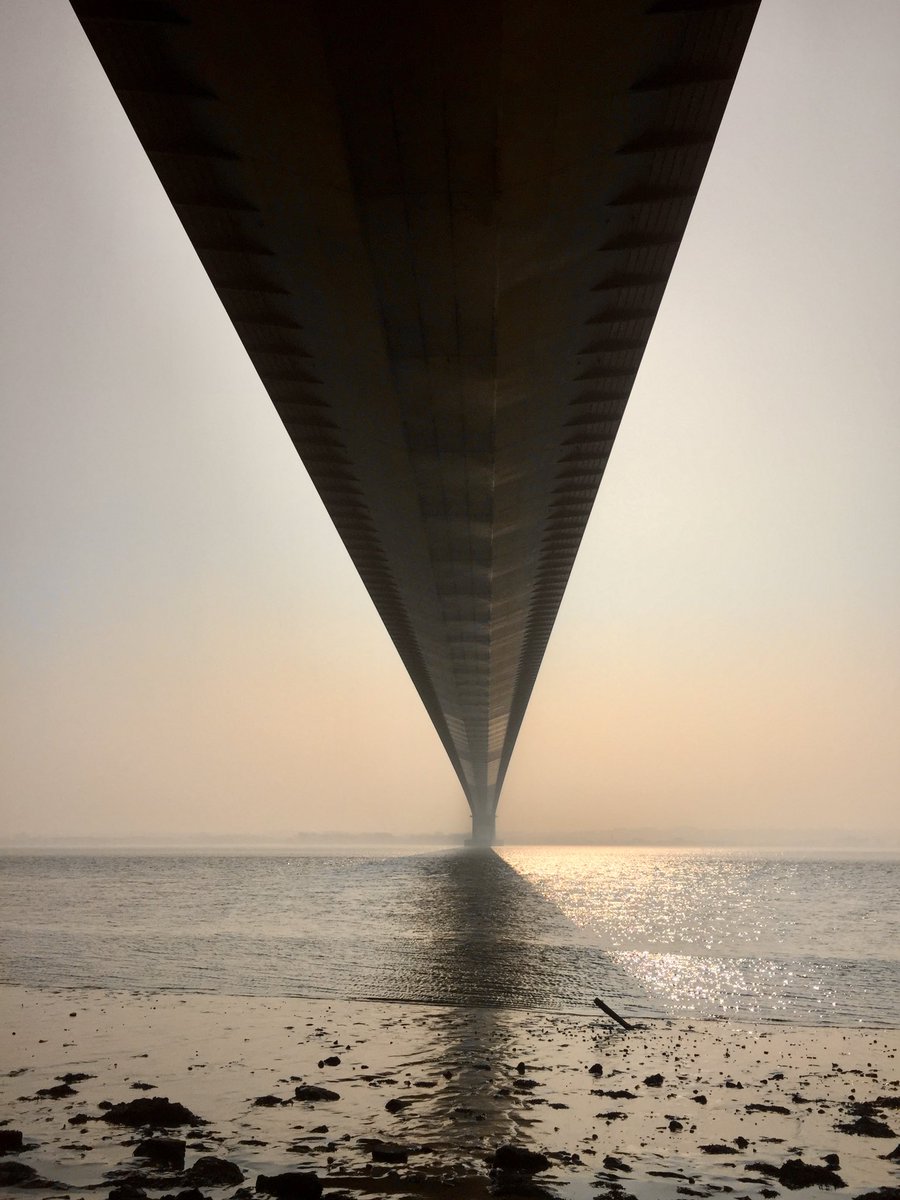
(442, 230)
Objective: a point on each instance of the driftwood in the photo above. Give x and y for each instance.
(611, 1013)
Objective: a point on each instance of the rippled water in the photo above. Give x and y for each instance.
(798, 938)
(780, 936)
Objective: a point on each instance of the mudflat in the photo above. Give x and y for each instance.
(412, 1100)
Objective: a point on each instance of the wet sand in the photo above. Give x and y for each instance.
(734, 1103)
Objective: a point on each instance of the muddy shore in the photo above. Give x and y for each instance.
(405, 1100)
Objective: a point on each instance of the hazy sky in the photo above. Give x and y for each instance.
(185, 645)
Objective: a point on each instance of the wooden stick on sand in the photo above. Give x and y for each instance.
(610, 1013)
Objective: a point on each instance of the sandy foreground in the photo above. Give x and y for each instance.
(448, 1086)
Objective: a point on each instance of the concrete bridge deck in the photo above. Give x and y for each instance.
(442, 230)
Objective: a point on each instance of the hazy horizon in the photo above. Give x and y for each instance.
(685, 838)
(185, 644)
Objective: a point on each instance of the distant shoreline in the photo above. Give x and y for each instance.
(379, 840)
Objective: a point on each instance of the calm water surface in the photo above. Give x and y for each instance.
(811, 939)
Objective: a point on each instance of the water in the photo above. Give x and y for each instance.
(809, 939)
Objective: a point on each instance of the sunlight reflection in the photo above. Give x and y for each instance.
(725, 932)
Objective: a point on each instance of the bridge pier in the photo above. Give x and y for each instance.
(484, 828)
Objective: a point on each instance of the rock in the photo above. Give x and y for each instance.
(17, 1174)
(74, 1077)
(741, 1143)
(655, 1080)
(331, 1061)
(718, 1148)
(882, 1193)
(768, 1108)
(675, 1126)
(522, 1187)
(869, 1108)
(764, 1169)
(79, 1119)
(290, 1185)
(893, 1155)
(615, 1164)
(596, 1069)
(214, 1172)
(519, 1160)
(521, 1068)
(10, 1141)
(397, 1105)
(127, 1191)
(268, 1101)
(129, 1177)
(151, 1110)
(564, 1156)
(389, 1152)
(832, 1160)
(866, 1126)
(167, 1151)
(58, 1092)
(701, 1099)
(309, 1091)
(794, 1173)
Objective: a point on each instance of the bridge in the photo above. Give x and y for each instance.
(442, 230)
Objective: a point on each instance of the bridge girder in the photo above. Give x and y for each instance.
(442, 230)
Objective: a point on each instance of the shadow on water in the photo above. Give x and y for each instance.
(495, 962)
(486, 937)
(460, 928)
